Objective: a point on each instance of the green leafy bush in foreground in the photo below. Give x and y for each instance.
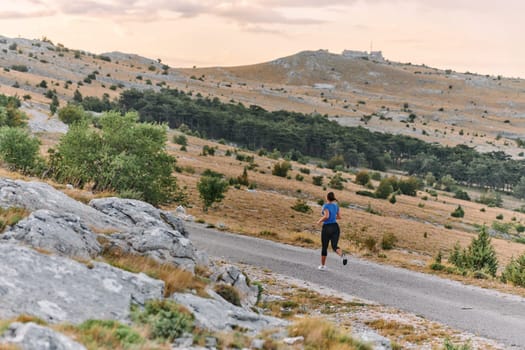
(123, 156)
(166, 319)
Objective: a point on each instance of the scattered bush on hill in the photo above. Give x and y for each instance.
(212, 188)
(480, 255)
(458, 212)
(281, 168)
(362, 178)
(301, 206)
(72, 113)
(515, 271)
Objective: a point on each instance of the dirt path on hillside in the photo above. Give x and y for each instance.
(483, 312)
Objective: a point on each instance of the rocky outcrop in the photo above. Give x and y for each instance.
(231, 275)
(155, 233)
(62, 234)
(30, 336)
(58, 289)
(163, 245)
(38, 195)
(217, 314)
(136, 213)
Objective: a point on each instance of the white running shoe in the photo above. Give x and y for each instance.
(322, 267)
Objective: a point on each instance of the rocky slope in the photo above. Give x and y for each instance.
(51, 266)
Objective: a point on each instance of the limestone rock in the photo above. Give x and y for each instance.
(233, 276)
(63, 234)
(161, 244)
(38, 195)
(136, 213)
(58, 289)
(219, 315)
(30, 336)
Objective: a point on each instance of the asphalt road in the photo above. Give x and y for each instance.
(482, 312)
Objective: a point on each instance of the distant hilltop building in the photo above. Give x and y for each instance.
(373, 55)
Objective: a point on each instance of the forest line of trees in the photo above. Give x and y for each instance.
(301, 135)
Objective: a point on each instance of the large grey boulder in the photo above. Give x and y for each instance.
(136, 213)
(58, 289)
(163, 245)
(216, 314)
(38, 195)
(30, 336)
(62, 234)
(155, 233)
(231, 275)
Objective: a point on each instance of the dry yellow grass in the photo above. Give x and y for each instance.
(418, 223)
(175, 279)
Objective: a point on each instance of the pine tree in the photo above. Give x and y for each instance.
(481, 255)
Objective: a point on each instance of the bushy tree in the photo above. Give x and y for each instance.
(18, 149)
(124, 156)
(71, 113)
(384, 189)
(515, 271)
(336, 182)
(10, 114)
(211, 189)
(409, 186)
(281, 169)
(362, 177)
(458, 212)
(479, 255)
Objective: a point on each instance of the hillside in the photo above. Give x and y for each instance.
(447, 107)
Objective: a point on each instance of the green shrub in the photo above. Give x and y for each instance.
(448, 345)
(388, 241)
(384, 189)
(180, 140)
(479, 256)
(211, 189)
(71, 114)
(410, 186)
(301, 206)
(499, 216)
(19, 150)
(281, 169)
(515, 271)
(366, 194)
(124, 155)
(462, 195)
(166, 319)
(458, 212)
(336, 182)
(317, 180)
(503, 227)
(362, 178)
(392, 199)
(299, 177)
(228, 293)
(108, 334)
(304, 170)
(20, 67)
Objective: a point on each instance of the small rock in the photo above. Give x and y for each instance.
(30, 336)
(294, 340)
(257, 343)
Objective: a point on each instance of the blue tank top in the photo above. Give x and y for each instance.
(333, 209)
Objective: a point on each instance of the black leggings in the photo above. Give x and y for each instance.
(330, 233)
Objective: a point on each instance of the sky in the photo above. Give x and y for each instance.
(479, 36)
